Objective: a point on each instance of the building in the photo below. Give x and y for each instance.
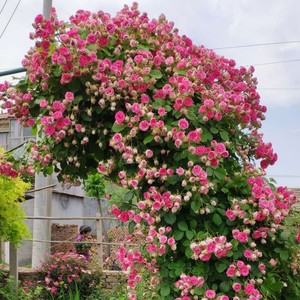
(59, 201)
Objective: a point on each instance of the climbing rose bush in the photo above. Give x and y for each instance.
(177, 126)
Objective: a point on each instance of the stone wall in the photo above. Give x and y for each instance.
(114, 278)
(111, 279)
(67, 234)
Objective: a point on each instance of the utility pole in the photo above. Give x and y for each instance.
(47, 4)
(42, 199)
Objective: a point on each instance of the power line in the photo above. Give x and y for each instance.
(280, 89)
(292, 176)
(277, 62)
(10, 19)
(3, 6)
(256, 45)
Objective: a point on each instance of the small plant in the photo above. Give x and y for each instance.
(68, 275)
(82, 247)
(8, 290)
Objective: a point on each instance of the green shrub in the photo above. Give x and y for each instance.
(68, 275)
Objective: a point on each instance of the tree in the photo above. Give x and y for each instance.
(94, 186)
(12, 190)
(177, 125)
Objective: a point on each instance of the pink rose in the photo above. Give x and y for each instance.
(210, 294)
(230, 215)
(123, 216)
(236, 286)
(69, 96)
(183, 124)
(230, 271)
(144, 125)
(43, 103)
(249, 289)
(171, 241)
(248, 253)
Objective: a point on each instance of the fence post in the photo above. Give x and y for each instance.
(99, 240)
(13, 264)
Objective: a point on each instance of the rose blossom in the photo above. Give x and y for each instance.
(120, 117)
(144, 125)
(210, 294)
(183, 124)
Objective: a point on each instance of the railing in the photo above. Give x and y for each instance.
(13, 252)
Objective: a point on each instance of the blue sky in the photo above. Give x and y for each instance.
(214, 24)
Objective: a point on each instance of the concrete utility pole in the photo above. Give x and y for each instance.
(42, 199)
(47, 4)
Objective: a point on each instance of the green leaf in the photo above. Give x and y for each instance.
(143, 47)
(209, 171)
(148, 139)
(182, 225)
(214, 130)
(131, 226)
(86, 117)
(191, 115)
(165, 289)
(234, 243)
(198, 291)
(225, 286)
(284, 255)
(220, 267)
(158, 103)
(178, 235)
(172, 274)
(48, 170)
(128, 196)
(285, 235)
(188, 252)
(176, 265)
(224, 135)
(180, 155)
(172, 179)
(170, 218)
(189, 234)
(181, 72)
(168, 108)
(164, 272)
(77, 99)
(178, 271)
(57, 72)
(117, 128)
(156, 74)
(92, 47)
(84, 33)
(217, 219)
(195, 205)
(220, 173)
(204, 137)
(193, 223)
(106, 52)
(221, 211)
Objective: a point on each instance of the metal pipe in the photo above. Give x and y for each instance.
(13, 71)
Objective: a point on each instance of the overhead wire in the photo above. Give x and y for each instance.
(280, 89)
(3, 6)
(8, 22)
(256, 45)
(276, 62)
